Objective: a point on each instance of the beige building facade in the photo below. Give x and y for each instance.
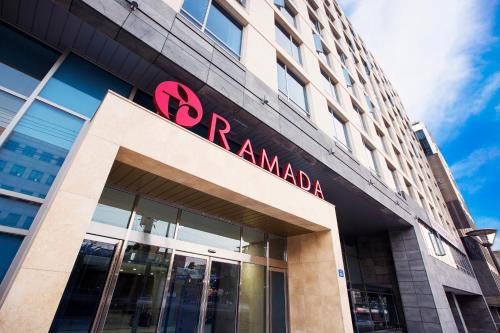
(273, 184)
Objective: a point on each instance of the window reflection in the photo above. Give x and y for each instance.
(85, 287)
(114, 208)
(136, 302)
(9, 105)
(23, 62)
(10, 245)
(184, 294)
(16, 213)
(40, 142)
(223, 27)
(254, 242)
(80, 86)
(222, 298)
(252, 309)
(219, 24)
(208, 231)
(155, 218)
(277, 247)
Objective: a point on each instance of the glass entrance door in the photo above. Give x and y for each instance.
(222, 297)
(184, 299)
(87, 283)
(202, 295)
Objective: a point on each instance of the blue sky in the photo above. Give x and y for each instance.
(443, 57)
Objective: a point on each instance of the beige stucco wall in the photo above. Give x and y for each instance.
(120, 127)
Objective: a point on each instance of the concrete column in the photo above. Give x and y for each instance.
(317, 294)
(419, 307)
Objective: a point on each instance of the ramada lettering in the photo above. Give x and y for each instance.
(189, 113)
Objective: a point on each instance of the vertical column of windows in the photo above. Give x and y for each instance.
(55, 95)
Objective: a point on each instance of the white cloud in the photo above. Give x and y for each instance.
(429, 51)
(470, 165)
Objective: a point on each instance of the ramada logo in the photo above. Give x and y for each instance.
(190, 112)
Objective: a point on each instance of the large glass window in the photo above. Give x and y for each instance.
(184, 294)
(23, 62)
(277, 247)
(40, 141)
(153, 217)
(329, 85)
(286, 11)
(17, 213)
(278, 302)
(222, 298)
(370, 159)
(254, 242)
(114, 208)
(288, 43)
(252, 309)
(290, 86)
(213, 19)
(10, 245)
(138, 294)
(204, 230)
(340, 131)
(80, 86)
(9, 105)
(80, 301)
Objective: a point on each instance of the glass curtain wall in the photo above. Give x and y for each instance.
(45, 99)
(154, 288)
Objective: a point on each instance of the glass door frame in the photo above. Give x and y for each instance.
(206, 281)
(114, 265)
(269, 298)
(123, 236)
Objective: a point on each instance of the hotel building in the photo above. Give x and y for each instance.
(215, 166)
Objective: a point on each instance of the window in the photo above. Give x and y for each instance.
(325, 55)
(369, 104)
(114, 208)
(287, 42)
(16, 213)
(216, 22)
(50, 130)
(80, 86)
(340, 131)
(370, 158)
(23, 64)
(342, 56)
(208, 231)
(380, 137)
(393, 178)
(291, 87)
(349, 81)
(286, 10)
(10, 245)
(360, 120)
(329, 85)
(437, 243)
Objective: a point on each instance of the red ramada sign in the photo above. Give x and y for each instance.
(189, 114)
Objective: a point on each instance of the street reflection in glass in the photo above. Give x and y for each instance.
(136, 302)
(83, 292)
(222, 298)
(184, 295)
